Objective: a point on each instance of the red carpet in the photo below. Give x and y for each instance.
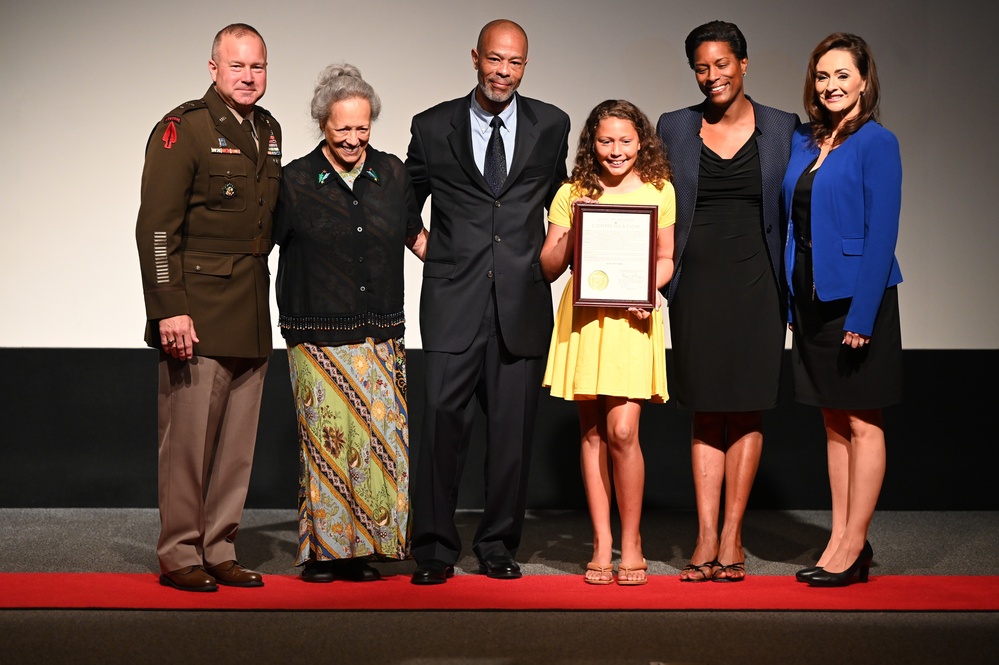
(475, 592)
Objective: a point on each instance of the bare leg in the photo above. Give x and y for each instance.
(594, 461)
(628, 466)
(742, 459)
(707, 457)
(866, 471)
(837, 424)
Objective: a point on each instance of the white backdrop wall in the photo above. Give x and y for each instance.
(83, 83)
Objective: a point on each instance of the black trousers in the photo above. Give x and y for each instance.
(507, 389)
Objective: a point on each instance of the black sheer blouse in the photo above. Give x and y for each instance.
(340, 273)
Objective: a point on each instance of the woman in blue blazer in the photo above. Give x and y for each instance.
(843, 189)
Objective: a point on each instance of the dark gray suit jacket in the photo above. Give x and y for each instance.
(479, 241)
(680, 133)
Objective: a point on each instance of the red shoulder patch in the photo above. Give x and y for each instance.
(170, 134)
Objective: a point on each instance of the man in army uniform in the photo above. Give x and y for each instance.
(209, 187)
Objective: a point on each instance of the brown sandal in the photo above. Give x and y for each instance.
(607, 570)
(623, 570)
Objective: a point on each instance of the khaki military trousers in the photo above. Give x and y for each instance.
(208, 412)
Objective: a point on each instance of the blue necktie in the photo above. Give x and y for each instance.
(494, 168)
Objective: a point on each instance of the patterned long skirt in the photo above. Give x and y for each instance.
(353, 433)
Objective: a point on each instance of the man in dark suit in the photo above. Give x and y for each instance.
(490, 162)
(209, 186)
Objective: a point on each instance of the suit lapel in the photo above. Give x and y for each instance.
(769, 166)
(686, 161)
(460, 140)
(526, 139)
(690, 155)
(772, 172)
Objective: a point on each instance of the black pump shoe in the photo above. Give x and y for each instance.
(861, 568)
(805, 574)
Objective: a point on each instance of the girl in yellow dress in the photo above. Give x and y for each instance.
(607, 359)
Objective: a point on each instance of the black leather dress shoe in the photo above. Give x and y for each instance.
(500, 568)
(432, 571)
(355, 570)
(347, 570)
(318, 571)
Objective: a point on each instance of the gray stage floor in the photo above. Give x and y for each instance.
(777, 543)
(555, 542)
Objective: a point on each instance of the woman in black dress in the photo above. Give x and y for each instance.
(844, 190)
(726, 298)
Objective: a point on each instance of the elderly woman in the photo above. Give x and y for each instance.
(843, 189)
(726, 298)
(342, 222)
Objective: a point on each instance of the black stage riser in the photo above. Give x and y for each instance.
(80, 431)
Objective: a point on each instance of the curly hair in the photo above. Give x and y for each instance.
(651, 164)
(338, 82)
(870, 99)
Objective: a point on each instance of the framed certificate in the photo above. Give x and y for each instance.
(614, 258)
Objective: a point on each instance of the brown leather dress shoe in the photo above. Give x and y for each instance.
(230, 573)
(192, 578)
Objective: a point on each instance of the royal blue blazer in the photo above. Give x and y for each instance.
(856, 201)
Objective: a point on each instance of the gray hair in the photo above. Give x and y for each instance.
(338, 82)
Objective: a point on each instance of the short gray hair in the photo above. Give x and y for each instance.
(338, 82)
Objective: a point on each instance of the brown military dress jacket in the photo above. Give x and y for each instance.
(204, 226)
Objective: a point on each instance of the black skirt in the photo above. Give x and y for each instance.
(828, 373)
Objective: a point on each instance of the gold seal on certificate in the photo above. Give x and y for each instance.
(598, 280)
(614, 257)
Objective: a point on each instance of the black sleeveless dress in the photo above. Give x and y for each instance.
(826, 372)
(727, 319)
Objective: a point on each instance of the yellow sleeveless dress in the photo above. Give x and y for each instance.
(606, 350)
